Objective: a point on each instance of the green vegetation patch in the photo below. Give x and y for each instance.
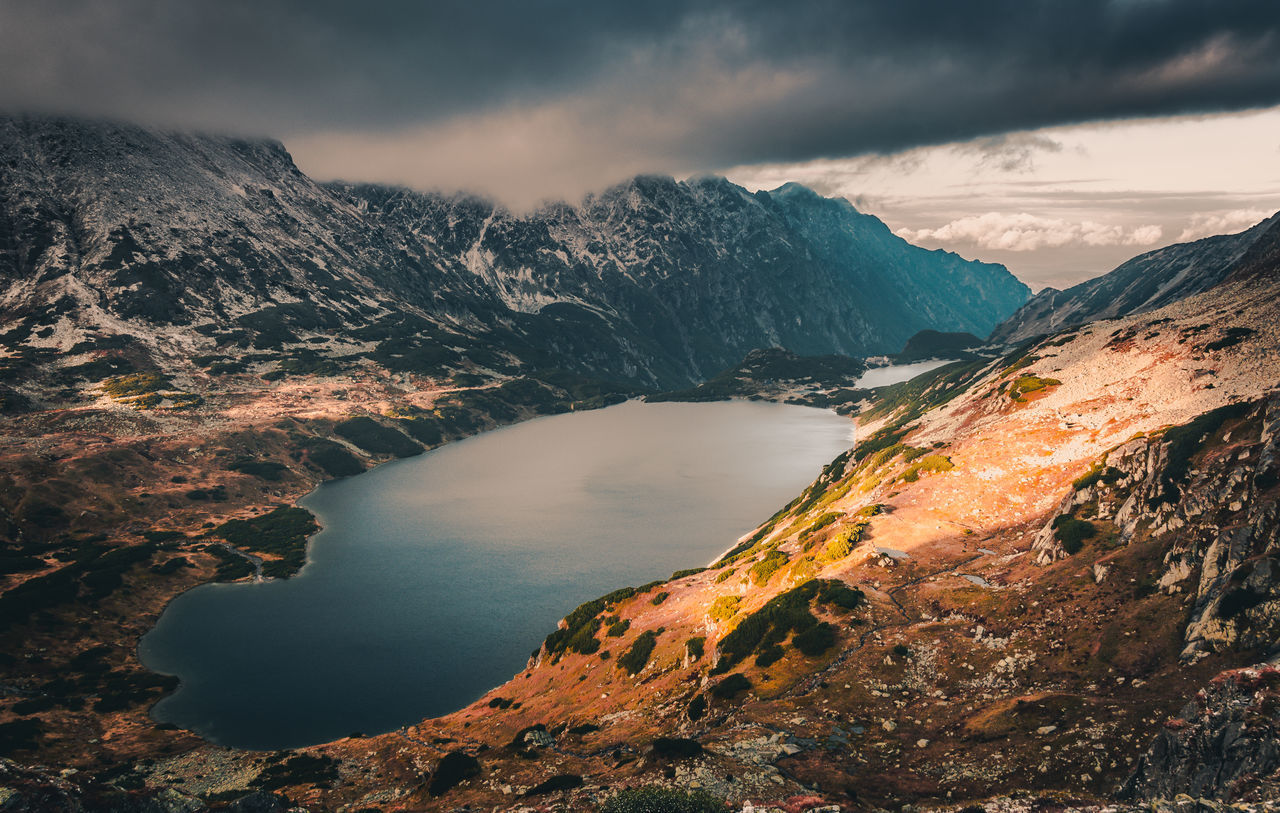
(929, 464)
(1028, 383)
(282, 532)
(262, 469)
(637, 655)
(581, 624)
(784, 614)
(1072, 533)
(1099, 472)
(694, 647)
(618, 628)
(772, 562)
(134, 384)
(332, 458)
(96, 572)
(662, 800)
(730, 686)
(375, 438)
(724, 607)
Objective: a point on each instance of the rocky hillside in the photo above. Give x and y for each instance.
(1014, 582)
(176, 246)
(1146, 282)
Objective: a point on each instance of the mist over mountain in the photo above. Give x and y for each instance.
(192, 242)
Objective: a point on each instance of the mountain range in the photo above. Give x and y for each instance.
(1044, 578)
(202, 245)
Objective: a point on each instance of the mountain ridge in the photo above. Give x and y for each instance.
(653, 282)
(1143, 283)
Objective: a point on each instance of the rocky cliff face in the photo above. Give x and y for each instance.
(1224, 744)
(186, 244)
(1209, 487)
(1145, 283)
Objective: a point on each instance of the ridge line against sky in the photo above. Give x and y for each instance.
(524, 101)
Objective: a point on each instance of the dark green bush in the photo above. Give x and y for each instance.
(769, 656)
(333, 458)
(1185, 440)
(375, 438)
(263, 469)
(662, 800)
(637, 655)
(618, 628)
(783, 614)
(676, 748)
(815, 640)
(772, 562)
(730, 686)
(1072, 533)
(694, 646)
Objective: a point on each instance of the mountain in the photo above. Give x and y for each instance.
(932, 344)
(1142, 284)
(191, 244)
(701, 272)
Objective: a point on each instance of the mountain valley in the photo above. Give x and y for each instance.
(1042, 579)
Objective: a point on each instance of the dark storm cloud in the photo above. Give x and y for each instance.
(664, 80)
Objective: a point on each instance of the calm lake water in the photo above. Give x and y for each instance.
(884, 376)
(435, 576)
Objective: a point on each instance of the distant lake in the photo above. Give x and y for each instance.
(884, 376)
(435, 576)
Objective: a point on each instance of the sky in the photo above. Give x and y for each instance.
(1057, 137)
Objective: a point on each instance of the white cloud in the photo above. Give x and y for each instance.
(1207, 224)
(1027, 232)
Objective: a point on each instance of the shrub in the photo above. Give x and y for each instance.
(659, 598)
(618, 628)
(134, 385)
(263, 469)
(676, 748)
(820, 523)
(931, 464)
(680, 574)
(694, 646)
(1072, 533)
(730, 686)
(283, 532)
(662, 800)
(1027, 383)
(583, 615)
(815, 640)
(724, 607)
(842, 544)
(637, 655)
(375, 438)
(762, 570)
(783, 614)
(453, 768)
(1185, 440)
(332, 458)
(559, 782)
(769, 656)
(23, 735)
(1099, 472)
(697, 707)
